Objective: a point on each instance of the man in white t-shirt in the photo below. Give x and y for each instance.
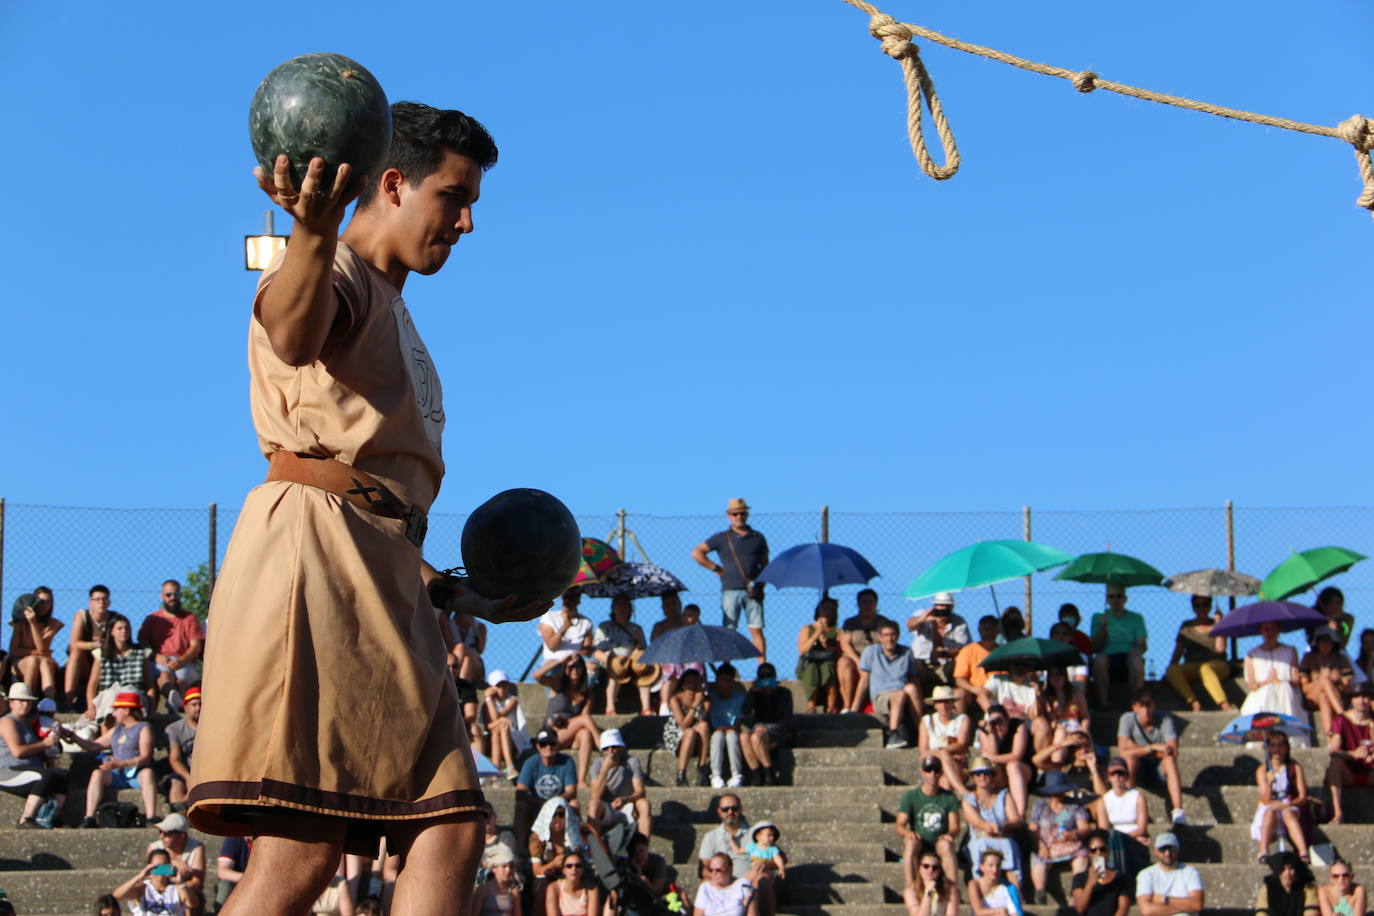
(1167, 888)
(566, 632)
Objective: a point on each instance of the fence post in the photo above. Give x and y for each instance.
(2, 545)
(1026, 535)
(1231, 560)
(214, 526)
(620, 531)
(825, 524)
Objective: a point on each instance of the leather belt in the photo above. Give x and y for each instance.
(348, 483)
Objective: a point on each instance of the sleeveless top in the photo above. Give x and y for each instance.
(26, 736)
(1121, 809)
(572, 905)
(938, 733)
(124, 745)
(1281, 783)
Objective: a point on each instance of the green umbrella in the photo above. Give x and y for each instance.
(1037, 653)
(1305, 569)
(985, 563)
(1111, 568)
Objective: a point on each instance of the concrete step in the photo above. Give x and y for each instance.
(24, 850)
(49, 893)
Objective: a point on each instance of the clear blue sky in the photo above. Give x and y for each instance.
(707, 266)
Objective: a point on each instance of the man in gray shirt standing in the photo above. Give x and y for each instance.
(742, 553)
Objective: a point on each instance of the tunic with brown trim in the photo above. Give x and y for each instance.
(326, 688)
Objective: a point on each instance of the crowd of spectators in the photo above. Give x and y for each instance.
(1011, 783)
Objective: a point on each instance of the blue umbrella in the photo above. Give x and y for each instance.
(819, 566)
(1252, 727)
(1289, 615)
(698, 643)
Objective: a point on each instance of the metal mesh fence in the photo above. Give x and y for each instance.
(133, 550)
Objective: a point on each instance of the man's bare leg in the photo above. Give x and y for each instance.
(438, 869)
(288, 875)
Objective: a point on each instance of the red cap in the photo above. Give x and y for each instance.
(192, 693)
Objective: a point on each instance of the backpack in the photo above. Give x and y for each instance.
(120, 815)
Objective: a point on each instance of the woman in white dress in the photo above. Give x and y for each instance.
(1271, 676)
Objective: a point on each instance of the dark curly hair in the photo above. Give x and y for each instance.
(419, 137)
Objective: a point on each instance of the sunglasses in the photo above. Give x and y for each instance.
(1337, 875)
(572, 865)
(982, 773)
(1110, 597)
(930, 865)
(727, 808)
(1097, 849)
(1116, 773)
(716, 871)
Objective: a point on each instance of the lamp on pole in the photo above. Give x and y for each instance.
(258, 250)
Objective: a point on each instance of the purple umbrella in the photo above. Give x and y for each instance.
(1289, 615)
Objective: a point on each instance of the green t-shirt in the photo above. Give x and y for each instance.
(1122, 632)
(928, 815)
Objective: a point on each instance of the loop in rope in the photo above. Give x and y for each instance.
(896, 43)
(896, 38)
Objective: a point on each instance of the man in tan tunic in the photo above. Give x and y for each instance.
(330, 719)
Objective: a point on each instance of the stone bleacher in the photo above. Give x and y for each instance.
(836, 818)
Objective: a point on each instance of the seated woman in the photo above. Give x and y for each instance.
(990, 893)
(119, 666)
(1062, 705)
(690, 616)
(992, 817)
(1199, 656)
(930, 893)
(1283, 801)
(466, 639)
(568, 714)
(1331, 602)
(1271, 676)
(947, 736)
(688, 729)
(618, 643)
(1342, 896)
(818, 648)
(31, 642)
(766, 726)
(575, 893)
(130, 764)
(722, 894)
(1364, 660)
(506, 723)
(555, 833)
(1122, 812)
(1005, 741)
(1327, 678)
(1058, 829)
(23, 757)
(499, 893)
(1288, 890)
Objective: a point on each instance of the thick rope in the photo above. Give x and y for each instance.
(896, 37)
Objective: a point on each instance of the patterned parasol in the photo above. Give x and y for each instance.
(636, 580)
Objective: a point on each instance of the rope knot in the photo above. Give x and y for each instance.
(896, 38)
(1357, 131)
(1085, 81)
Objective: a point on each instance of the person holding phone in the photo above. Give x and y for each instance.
(1100, 890)
(155, 888)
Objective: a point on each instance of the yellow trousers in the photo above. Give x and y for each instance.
(1210, 673)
